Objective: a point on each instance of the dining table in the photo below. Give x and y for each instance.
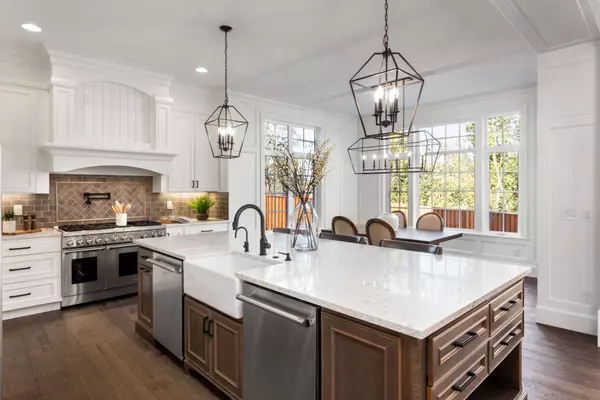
(418, 235)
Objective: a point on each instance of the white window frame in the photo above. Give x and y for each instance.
(482, 152)
(269, 152)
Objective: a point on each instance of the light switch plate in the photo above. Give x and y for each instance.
(18, 209)
(169, 205)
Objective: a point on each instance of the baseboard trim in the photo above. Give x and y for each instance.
(571, 321)
(24, 312)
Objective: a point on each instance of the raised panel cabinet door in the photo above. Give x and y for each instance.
(197, 346)
(358, 362)
(227, 353)
(207, 169)
(181, 178)
(145, 296)
(17, 126)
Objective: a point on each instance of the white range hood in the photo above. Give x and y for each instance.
(67, 158)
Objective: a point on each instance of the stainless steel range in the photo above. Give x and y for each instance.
(100, 260)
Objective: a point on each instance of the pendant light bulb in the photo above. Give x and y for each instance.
(378, 94)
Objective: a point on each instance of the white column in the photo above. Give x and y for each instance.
(568, 191)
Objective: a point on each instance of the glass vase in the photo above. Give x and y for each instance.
(304, 222)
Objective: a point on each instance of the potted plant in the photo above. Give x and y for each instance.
(202, 204)
(9, 224)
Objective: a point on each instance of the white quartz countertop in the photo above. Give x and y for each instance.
(46, 232)
(411, 293)
(198, 222)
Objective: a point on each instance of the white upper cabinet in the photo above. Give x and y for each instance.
(20, 112)
(182, 135)
(206, 167)
(194, 168)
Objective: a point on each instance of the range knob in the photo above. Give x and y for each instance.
(115, 238)
(98, 241)
(70, 243)
(106, 239)
(153, 234)
(89, 241)
(79, 242)
(124, 237)
(144, 235)
(161, 234)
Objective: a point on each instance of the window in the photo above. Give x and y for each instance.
(277, 201)
(503, 139)
(476, 182)
(450, 190)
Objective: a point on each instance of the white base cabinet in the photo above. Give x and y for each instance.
(194, 228)
(31, 271)
(194, 169)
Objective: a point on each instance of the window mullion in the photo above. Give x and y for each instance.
(481, 177)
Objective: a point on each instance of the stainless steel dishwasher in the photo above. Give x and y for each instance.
(281, 347)
(167, 302)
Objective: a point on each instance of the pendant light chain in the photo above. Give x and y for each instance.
(385, 36)
(226, 95)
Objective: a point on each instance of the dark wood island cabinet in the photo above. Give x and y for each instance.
(476, 357)
(213, 346)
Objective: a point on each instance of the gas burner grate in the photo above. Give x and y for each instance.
(96, 227)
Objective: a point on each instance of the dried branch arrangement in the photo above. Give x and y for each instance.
(301, 175)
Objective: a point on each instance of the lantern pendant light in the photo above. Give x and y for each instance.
(226, 127)
(386, 91)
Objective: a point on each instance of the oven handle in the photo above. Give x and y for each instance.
(84, 250)
(121, 246)
(164, 266)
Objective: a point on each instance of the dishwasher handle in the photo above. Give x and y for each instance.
(163, 266)
(306, 322)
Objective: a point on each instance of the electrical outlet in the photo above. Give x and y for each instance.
(586, 215)
(18, 209)
(588, 297)
(169, 205)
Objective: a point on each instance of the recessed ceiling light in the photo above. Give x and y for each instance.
(202, 70)
(31, 27)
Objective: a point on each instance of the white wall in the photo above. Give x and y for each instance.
(568, 190)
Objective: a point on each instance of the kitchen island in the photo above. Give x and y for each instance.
(393, 324)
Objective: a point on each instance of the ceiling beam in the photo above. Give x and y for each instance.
(590, 9)
(521, 24)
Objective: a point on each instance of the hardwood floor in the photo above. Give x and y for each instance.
(92, 352)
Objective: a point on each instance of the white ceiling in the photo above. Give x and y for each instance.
(304, 52)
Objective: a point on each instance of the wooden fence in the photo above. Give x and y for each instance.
(276, 215)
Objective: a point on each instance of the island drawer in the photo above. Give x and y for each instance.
(505, 340)
(461, 381)
(504, 307)
(450, 346)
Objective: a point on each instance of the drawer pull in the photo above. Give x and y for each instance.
(511, 337)
(205, 325)
(208, 230)
(471, 378)
(20, 295)
(19, 248)
(468, 338)
(510, 305)
(18, 269)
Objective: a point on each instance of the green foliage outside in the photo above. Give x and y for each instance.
(452, 184)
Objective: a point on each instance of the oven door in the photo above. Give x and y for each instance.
(122, 265)
(83, 271)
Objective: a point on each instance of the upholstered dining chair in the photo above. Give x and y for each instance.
(343, 226)
(378, 230)
(401, 217)
(343, 238)
(430, 222)
(412, 246)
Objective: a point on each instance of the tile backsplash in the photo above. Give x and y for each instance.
(65, 203)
